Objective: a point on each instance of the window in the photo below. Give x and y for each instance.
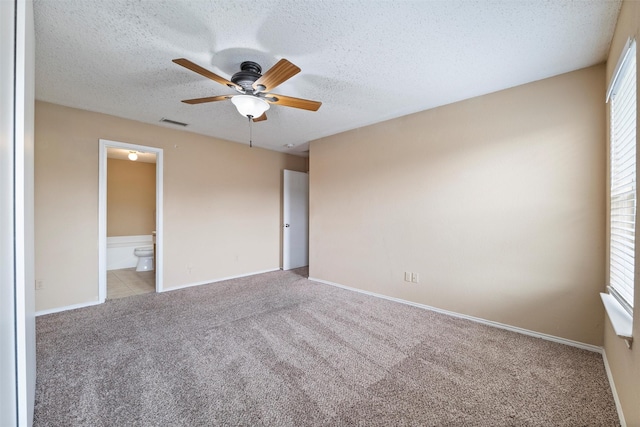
(622, 99)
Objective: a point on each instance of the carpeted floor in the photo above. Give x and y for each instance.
(279, 350)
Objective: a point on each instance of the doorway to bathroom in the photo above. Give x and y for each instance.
(130, 219)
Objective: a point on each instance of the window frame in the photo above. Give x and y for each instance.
(621, 280)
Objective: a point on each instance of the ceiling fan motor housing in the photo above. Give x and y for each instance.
(249, 73)
(246, 83)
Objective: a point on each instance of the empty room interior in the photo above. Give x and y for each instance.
(460, 253)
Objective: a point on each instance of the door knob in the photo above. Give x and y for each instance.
(286, 225)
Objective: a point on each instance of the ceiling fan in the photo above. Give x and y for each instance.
(253, 98)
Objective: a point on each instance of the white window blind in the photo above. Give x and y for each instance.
(622, 96)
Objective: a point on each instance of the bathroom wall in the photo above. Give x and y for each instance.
(131, 198)
(221, 203)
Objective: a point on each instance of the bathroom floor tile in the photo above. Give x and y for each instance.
(116, 286)
(147, 276)
(127, 282)
(113, 281)
(125, 274)
(140, 285)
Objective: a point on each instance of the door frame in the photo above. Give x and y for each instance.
(17, 271)
(102, 213)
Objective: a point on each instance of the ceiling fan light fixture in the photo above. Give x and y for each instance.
(250, 106)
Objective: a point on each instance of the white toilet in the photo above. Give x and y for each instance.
(145, 258)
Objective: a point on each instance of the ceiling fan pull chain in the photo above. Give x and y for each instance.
(250, 132)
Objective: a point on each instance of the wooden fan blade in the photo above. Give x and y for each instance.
(207, 99)
(204, 72)
(276, 75)
(290, 101)
(262, 118)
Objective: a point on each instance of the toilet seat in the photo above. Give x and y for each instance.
(143, 251)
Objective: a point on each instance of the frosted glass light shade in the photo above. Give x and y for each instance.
(133, 155)
(248, 105)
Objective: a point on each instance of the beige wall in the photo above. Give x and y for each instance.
(131, 198)
(221, 203)
(498, 202)
(625, 363)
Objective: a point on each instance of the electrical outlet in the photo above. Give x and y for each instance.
(39, 284)
(414, 277)
(407, 276)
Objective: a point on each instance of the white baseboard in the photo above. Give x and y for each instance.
(560, 340)
(206, 282)
(67, 307)
(612, 384)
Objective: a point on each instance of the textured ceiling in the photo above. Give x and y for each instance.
(367, 61)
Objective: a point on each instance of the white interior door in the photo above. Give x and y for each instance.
(295, 200)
